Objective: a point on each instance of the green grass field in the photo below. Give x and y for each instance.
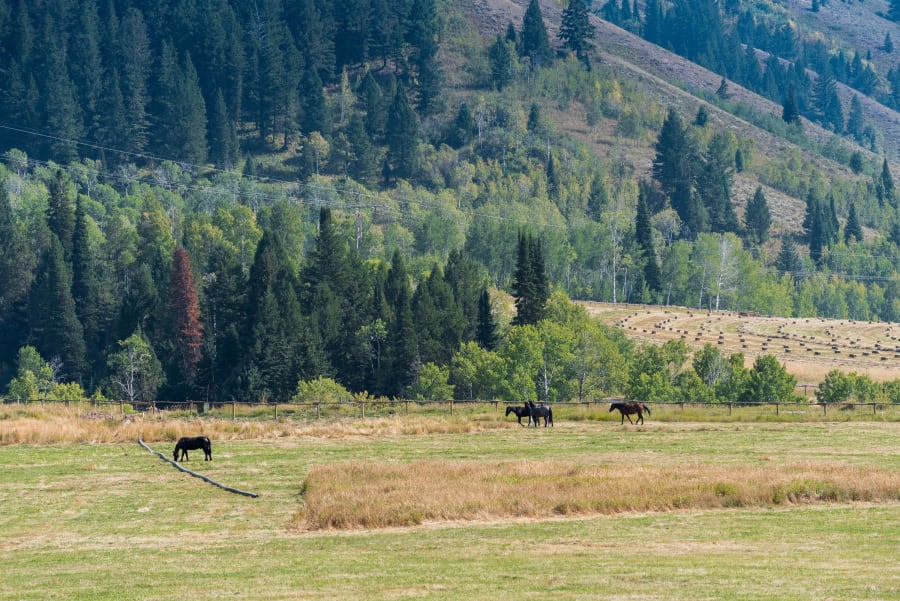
(112, 521)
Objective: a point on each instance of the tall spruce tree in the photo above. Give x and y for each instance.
(61, 213)
(85, 285)
(530, 288)
(486, 331)
(790, 112)
(500, 57)
(576, 31)
(402, 133)
(55, 329)
(643, 232)
(535, 42)
(789, 260)
(758, 218)
(852, 230)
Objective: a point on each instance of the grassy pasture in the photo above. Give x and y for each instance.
(809, 347)
(83, 520)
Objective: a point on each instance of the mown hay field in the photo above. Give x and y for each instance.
(808, 347)
(459, 508)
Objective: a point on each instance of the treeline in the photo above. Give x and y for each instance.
(182, 81)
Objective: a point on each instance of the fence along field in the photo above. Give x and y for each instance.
(809, 347)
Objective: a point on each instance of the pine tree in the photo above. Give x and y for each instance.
(714, 185)
(758, 218)
(530, 287)
(372, 99)
(856, 123)
(853, 229)
(576, 31)
(363, 161)
(535, 43)
(884, 185)
(186, 333)
(654, 20)
(790, 113)
(789, 260)
(500, 58)
(643, 232)
(61, 213)
(486, 332)
(402, 138)
(55, 329)
(676, 161)
(313, 105)
(423, 36)
(223, 141)
(85, 287)
(463, 126)
(62, 113)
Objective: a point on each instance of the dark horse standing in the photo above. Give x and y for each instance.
(520, 412)
(187, 443)
(628, 408)
(537, 412)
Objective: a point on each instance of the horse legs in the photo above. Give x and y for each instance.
(629, 419)
(640, 418)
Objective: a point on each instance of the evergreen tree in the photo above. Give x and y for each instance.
(500, 58)
(654, 20)
(466, 278)
(423, 36)
(223, 143)
(530, 287)
(400, 357)
(402, 138)
(856, 123)
(853, 229)
(758, 218)
(55, 329)
(535, 43)
(576, 31)
(714, 185)
(85, 286)
(363, 162)
(884, 185)
(61, 213)
(790, 113)
(789, 260)
(186, 331)
(373, 103)
(676, 161)
(643, 232)
(313, 105)
(486, 332)
(61, 113)
(462, 128)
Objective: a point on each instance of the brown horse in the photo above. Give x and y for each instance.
(628, 408)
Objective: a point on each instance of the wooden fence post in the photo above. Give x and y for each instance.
(776, 408)
(317, 409)
(233, 408)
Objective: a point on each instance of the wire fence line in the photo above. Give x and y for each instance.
(385, 407)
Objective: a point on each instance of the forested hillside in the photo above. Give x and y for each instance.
(219, 199)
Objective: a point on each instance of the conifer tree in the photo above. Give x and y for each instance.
(402, 133)
(643, 232)
(186, 330)
(790, 113)
(61, 213)
(535, 43)
(500, 58)
(789, 260)
(363, 162)
(676, 161)
(85, 287)
(313, 105)
(55, 329)
(530, 287)
(758, 218)
(576, 31)
(374, 106)
(884, 185)
(853, 229)
(486, 331)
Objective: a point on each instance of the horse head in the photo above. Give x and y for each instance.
(509, 410)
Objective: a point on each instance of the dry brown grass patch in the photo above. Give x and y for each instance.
(33, 424)
(377, 495)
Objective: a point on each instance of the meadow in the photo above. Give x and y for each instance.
(461, 507)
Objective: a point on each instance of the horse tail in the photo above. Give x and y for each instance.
(550, 414)
(646, 408)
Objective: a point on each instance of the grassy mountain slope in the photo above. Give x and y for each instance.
(671, 80)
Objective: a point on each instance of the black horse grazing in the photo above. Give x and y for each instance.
(537, 412)
(628, 408)
(520, 412)
(187, 443)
